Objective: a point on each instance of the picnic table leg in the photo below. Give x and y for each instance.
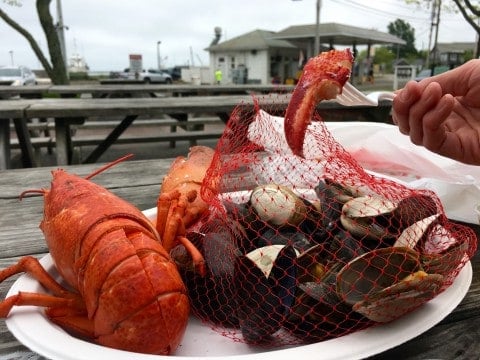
(110, 139)
(63, 140)
(28, 156)
(181, 118)
(4, 144)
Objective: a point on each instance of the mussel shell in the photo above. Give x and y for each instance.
(412, 209)
(212, 295)
(344, 247)
(382, 219)
(284, 237)
(312, 264)
(319, 314)
(262, 302)
(321, 220)
(249, 223)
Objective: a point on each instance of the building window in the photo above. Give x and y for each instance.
(232, 62)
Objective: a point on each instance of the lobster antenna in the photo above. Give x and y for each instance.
(33, 191)
(109, 165)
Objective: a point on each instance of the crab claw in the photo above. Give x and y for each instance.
(323, 78)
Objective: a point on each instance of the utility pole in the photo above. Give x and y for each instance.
(435, 18)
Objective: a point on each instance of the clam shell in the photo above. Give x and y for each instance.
(400, 298)
(375, 271)
(278, 205)
(415, 232)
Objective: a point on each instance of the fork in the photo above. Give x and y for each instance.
(351, 96)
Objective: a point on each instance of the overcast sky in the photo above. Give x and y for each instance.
(105, 32)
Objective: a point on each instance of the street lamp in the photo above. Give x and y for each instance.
(159, 59)
(317, 27)
(11, 56)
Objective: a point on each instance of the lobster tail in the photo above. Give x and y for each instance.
(141, 297)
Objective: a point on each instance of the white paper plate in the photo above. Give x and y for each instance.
(30, 326)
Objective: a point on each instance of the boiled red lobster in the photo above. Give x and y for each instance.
(127, 292)
(322, 79)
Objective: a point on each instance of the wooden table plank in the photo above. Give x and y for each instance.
(115, 88)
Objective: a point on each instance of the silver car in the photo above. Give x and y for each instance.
(17, 76)
(150, 76)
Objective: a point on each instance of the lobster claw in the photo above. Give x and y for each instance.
(323, 78)
(180, 205)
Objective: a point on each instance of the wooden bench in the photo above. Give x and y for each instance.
(93, 140)
(68, 113)
(109, 124)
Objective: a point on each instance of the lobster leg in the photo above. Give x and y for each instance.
(64, 307)
(32, 266)
(173, 213)
(61, 298)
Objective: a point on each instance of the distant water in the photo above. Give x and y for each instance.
(98, 73)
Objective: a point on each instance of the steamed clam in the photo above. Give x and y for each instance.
(386, 283)
(278, 205)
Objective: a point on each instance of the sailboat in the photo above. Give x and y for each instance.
(76, 62)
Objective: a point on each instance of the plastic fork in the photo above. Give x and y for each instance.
(351, 96)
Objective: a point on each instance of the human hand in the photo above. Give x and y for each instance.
(442, 113)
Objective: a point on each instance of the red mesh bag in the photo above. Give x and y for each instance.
(306, 249)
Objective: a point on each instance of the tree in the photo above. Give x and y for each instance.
(469, 11)
(56, 70)
(384, 56)
(404, 31)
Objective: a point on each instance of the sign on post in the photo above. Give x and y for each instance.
(136, 65)
(402, 74)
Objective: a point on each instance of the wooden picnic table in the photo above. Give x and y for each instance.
(457, 336)
(68, 111)
(138, 90)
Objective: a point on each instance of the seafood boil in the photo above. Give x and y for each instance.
(272, 265)
(288, 264)
(124, 291)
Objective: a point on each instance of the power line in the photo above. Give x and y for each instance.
(371, 10)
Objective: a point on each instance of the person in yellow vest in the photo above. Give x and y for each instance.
(218, 76)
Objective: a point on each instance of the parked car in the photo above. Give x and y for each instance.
(147, 76)
(428, 72)
(17, 76)
(176, 71)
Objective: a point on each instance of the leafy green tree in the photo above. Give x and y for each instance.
(404, 31)
(384, 57)
(56, 68)
(470, 11)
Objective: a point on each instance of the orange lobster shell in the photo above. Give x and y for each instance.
(127, 293)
